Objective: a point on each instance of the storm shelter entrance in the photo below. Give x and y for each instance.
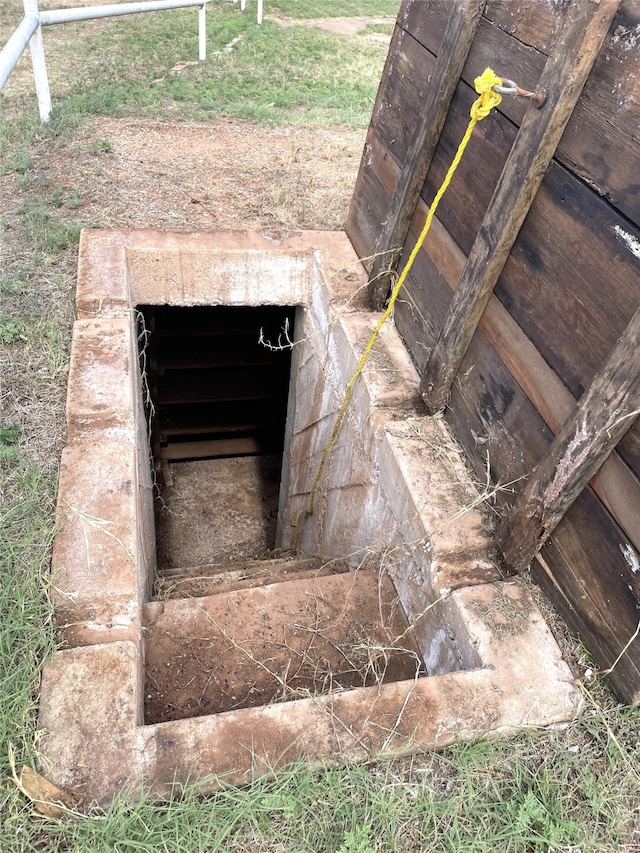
(387, 628)
(218, 382)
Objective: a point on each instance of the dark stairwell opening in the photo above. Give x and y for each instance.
(218, 382)
(227, 630)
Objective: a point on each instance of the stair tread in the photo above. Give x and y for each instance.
(252, 565)
(200, 581)
(253, 646)
(202, 587)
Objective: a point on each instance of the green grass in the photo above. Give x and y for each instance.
(574, 789)
(328, 8)
(45, 232)
(26, 533)
(530, 795)
(272, 74)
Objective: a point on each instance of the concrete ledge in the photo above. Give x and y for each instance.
(103, 281)
(183, 277)
(120, 269)
(395, 479)
(520, 681)
(97, 572)
(89, 711)
(101, 379)
(407, 716)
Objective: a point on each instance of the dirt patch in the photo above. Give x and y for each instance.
(217, 511)
(276, 643)
(222, 174)
(340, 26)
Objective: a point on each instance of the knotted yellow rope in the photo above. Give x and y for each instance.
(480, 109)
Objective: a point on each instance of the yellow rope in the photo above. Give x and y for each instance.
(479, 109)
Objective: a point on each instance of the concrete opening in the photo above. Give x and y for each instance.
(217, 383)
(218, 378)
(389, 630)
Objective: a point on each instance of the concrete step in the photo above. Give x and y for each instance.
(199, 581)
(280, 642)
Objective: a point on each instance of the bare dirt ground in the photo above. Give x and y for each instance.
(220, 174)
(343, 26)
(217, 511)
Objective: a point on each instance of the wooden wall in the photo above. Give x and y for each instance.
(568, 289)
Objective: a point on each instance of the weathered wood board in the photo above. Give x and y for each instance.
(566, 293)
(559, 89)
(457, 39)
(509, 36)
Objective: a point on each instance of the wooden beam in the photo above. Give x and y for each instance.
(215, 447)
(564, 76)
(457, 39)
(600, 419)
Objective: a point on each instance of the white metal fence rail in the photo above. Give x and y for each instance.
(29, 32)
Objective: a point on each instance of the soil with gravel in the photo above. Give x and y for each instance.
(217, 511)
(276, 643)
(220, 174)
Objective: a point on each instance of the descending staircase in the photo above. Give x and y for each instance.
(217, 389)
(247, 634)
(241, 635)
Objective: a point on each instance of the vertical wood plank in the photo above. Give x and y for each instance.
(602, 416)
(458, 37)
(564, 76)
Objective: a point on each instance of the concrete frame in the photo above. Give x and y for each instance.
(397, 488)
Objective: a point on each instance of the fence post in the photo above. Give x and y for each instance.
(38, 63)
(202, 32)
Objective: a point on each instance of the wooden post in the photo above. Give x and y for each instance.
(457, 39)
(564, 76)
(600, 419)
